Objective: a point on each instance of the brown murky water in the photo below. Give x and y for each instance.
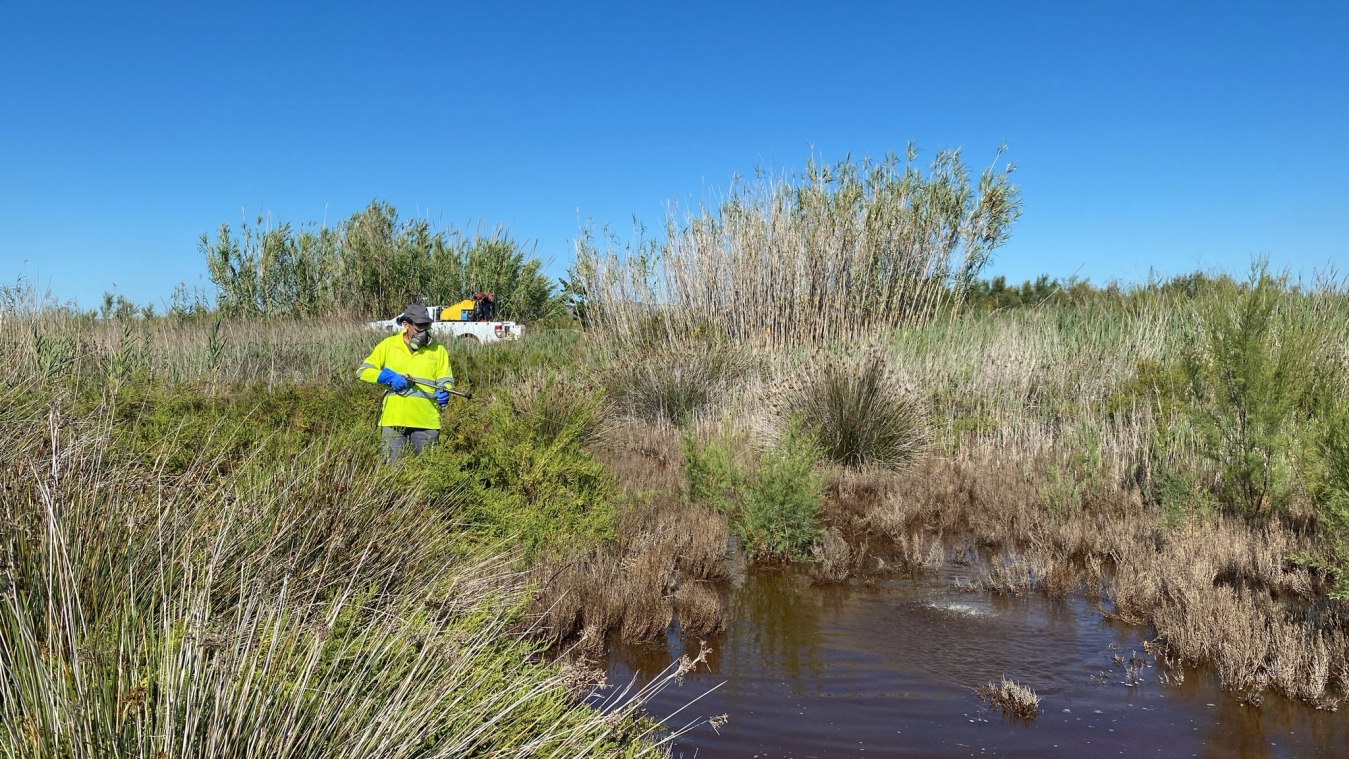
(889, 671)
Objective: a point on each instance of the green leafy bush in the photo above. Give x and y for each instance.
(781, 513)
(372, 265)
(1330, 491)
(713, 475)
(517, 470)
(773, 503)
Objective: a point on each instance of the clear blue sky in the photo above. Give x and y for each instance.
(1148, 135)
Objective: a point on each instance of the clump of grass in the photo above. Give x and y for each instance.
(1014, 575)
(832, 557)
(1014, 699)
(698, 607)
(671, 384)
(860, 411)
(918, 554)
(552, 408)
(309, 605)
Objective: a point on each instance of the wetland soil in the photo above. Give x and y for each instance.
(889, 669)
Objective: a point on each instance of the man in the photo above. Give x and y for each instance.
(416, 369)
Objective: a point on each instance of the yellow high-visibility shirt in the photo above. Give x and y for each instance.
(429, 367)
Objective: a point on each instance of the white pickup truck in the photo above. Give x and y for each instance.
(460, 322)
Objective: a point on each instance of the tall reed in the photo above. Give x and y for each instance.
(836, 252)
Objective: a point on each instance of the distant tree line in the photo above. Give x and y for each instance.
(370, 265)
(996, 293)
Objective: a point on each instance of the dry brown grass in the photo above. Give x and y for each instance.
(1014, 699)
(1014, 574)
(699, 609)
(1219, 591)
(1225, 594)
(667, 555)
(832, 557)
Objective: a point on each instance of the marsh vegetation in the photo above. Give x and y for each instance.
(202, 556)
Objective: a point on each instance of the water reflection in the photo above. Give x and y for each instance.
(774, 632)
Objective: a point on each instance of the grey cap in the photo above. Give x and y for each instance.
(415, 313)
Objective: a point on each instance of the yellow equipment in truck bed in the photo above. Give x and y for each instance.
(459, 312)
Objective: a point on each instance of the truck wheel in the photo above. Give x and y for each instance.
(469, 339)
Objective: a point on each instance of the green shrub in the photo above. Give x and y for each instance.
(372, 265)
(1253, 377)
(773, 504)
(713, 475)
(860, 412)
(1330, 492)
(512, 471)
(178, 426)
(779, 517)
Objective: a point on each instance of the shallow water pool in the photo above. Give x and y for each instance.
(889, 669)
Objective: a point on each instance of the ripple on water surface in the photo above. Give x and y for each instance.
(825, 671)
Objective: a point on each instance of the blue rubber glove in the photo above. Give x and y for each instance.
(393, 379)
(443, 397)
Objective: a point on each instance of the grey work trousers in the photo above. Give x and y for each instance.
(397, 438)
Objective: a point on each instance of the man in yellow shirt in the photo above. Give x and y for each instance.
(416, 370)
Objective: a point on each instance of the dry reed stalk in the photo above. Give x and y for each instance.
(840, 252)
